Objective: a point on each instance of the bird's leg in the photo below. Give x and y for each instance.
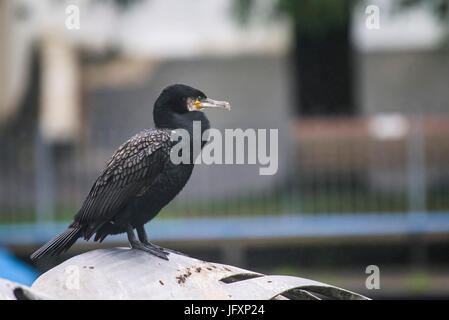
(141, 233)
(136, 244)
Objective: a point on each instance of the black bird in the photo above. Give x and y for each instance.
(140, 179)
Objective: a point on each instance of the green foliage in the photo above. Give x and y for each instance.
(311, 16)
(242, 10)
(318, 16)
(419, 281)
(121, 5)
(124, 4)
(315, 16)
(282, 201)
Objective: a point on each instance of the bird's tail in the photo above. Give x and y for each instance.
(60, 244)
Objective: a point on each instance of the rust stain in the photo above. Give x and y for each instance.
(91, 267)
(227, 269)
(183, 277)
(198, 269)
(160, 281)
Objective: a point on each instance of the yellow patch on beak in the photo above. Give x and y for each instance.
(198, 104)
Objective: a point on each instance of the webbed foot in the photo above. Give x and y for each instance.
(151, 249)
(164, 249)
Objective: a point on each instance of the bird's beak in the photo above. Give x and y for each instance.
(210, 103)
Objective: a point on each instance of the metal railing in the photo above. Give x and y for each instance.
(377, 165)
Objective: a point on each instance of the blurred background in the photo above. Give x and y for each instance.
(357, 89)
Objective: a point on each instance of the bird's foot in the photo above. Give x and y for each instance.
(165, 249)
(151, 249)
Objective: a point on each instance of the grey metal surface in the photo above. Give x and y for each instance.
(10, 290)
(7, 289)
(123, 273)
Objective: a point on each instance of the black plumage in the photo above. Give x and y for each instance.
(140, 179)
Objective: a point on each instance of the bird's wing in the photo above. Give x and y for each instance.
(133, 166)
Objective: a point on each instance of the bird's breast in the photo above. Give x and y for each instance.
(153, 198)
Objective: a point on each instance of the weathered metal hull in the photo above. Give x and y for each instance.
(123, 273)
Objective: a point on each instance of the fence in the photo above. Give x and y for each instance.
(358, 166)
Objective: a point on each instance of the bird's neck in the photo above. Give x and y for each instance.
(183, 121)
(187, 121)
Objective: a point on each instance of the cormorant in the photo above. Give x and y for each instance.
(140, 179)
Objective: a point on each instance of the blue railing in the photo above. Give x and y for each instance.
(284, 226)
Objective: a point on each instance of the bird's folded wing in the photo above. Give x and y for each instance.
(134, 165)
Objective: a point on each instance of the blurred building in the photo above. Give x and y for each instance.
(70, 96)
(96, 85)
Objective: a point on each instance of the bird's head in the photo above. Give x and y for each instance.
(181, 99)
